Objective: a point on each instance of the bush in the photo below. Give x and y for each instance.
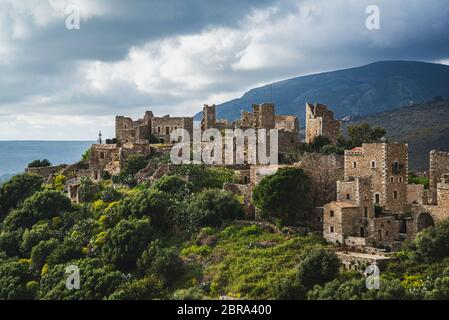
(319, 142)
(318, 267)
(39, 163)
(431, 244)
(41, 251)
(153, 203)
(134, 163)
(14, 277)
(284, 195)
(86, 155)
(160, 262)
(173, 185)
(88, 190)
(17, 189)
(10, 242)
(126, 242)
(213, 208)
(110, 194)
(98, 281)
(142, 289)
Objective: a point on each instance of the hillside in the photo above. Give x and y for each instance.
(359, 91)
(423, 126)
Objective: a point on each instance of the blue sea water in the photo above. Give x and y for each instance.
(15, 155)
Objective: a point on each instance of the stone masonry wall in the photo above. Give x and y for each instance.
(320, 121)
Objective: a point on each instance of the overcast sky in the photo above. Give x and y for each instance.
(172, 56)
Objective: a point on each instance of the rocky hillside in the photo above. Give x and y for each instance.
(370, 89)
(423, 126)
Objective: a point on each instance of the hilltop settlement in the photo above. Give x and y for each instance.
(368, 209)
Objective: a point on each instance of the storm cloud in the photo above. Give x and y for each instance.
(173, 56)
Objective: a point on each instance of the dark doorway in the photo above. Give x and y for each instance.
(424, 221)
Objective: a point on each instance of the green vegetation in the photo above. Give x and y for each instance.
(414, 179)
(284, 195)
(180, 238)
(39, 163)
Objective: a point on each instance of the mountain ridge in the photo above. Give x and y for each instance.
(424, 126)
(357, 91)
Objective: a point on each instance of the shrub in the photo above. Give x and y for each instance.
(134, 163)
(213, 208)
(318, 267)
(88, 190)
(17, 189)
(142, 289)
(39, 163)
(126, 242)
(431, 244)
(284, 195)
(110, 194)
(161, 262)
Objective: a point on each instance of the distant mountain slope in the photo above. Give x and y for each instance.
(423, 126)
(365, 90)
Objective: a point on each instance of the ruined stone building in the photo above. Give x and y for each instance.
(320, 122)
(110, 158)
(264, 117)
(128, 130)
(140, 131)
(210, 121)
(439, 166)
(430, 206)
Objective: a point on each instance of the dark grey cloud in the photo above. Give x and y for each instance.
(172, 56)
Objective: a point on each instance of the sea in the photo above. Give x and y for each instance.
(15, 155)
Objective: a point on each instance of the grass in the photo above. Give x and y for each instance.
(248, 262)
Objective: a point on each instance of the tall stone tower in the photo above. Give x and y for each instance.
(209, 119)
(264, 116)
(320, 122)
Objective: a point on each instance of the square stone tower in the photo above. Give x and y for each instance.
(387, 165)
(263, 116)
(209, 119)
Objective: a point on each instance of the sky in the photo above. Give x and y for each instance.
(173, 56)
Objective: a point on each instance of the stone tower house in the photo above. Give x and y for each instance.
(209, 119)
(387, 165)
(320, 122)
(263, 116)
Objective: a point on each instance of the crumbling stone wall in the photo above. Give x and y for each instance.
(162, 127)
(416, 194)
(287, 123)
(355, 261)
(130, 131)
(320, 121)
(100, 156)
(246, 120)
(46, 172)
(439, 166)
(263, 116)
